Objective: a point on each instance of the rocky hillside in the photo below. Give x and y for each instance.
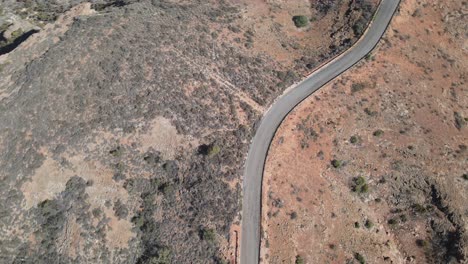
(124, 125)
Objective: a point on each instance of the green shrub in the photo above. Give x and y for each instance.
(360, 258)
(208, 234)
(465, 176)
(166, 188)
(214, 150)
(418, 208)
(336, 163)
(17, 33)
(353, 139)
(208, 150)
(360, 185)
(356, 87)
(300, 21)
(163, 257)
(360, 26)
(299, 260)
(368, 224)
(138, 221)
(378, 133)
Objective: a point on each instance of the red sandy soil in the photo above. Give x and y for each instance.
(412, 86)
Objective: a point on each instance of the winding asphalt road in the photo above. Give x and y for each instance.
(253, 174)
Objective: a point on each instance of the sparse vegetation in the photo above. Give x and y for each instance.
(360, 185)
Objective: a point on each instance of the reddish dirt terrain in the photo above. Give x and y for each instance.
(372, 167)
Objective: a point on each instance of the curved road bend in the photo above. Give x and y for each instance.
(253, 174)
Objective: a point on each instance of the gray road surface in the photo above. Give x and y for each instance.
(253, 174)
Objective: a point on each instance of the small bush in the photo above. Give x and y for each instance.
(370, 112)
(299, 260)
(465, 176)
(300, 21)
(120, 210)
(459, 120)
(356, 87)
(336, 163)
(422, 243)
(163, 257)
(208, 150)
(360, 185)
(97, 212)
(166, 188)
(403, 218)
(360, 258)
(17, 33)
(214, 150)
(208, 234)
(392, 222)
(353, 139)
(357, 225)
(378, 133)
(116, 152)
(418, 208)
(293, 215)
(369, 224)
